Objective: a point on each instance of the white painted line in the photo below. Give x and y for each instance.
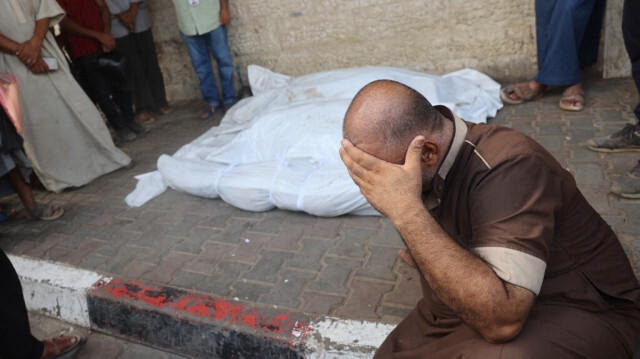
(54, 289)
(339, 338)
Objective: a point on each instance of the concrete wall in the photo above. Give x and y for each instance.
(297, 37)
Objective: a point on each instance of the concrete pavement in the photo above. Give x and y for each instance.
(345, 267)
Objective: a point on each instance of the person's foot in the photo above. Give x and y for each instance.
(125, 134)
(146, 117)
(137, 128)
(165, 110)
(46, 212)
(572, 98)
(522, 92)
(208, 112)
(627, 139)
(627, 187)
(61, 347)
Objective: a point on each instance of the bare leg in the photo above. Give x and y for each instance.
(23, 190)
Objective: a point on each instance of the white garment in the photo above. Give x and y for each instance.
(65, 137)
(279, 148)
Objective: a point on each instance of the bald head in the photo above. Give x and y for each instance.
(386, 115)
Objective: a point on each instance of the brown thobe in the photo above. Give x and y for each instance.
(503, 197)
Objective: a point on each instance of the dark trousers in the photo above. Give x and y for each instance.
(143, 72)
(568, 36)
(16, 341)
(631, 36)
(106, 91)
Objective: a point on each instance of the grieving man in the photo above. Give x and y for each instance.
(515, 263)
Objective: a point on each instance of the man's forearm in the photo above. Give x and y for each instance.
(42, 26)
(72, 27)
(8, 46)
(464, 282)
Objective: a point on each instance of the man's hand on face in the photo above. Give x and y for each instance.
(390, 188)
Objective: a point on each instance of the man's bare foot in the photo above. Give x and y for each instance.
(572, 98)
(63, 344)
(522, 92)
(407, 258)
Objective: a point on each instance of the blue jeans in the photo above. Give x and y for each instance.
(198, 47)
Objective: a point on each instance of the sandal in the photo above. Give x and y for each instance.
(523, 92)
(165, 110)
(574, 96)
(62, 347)
(146, 117)
(47, 213)
(207, 113)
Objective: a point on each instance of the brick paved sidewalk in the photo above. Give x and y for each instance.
(344, 267)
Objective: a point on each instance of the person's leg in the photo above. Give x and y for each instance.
(199, 55)
(631, 36)
(135, 73)
(149, 61)
(627, 139)
(219, 44)
(560, 26)
(99, 91)
(16, 341)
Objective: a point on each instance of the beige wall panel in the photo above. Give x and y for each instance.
(298, 37)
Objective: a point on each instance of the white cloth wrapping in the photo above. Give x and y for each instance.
(279, 148)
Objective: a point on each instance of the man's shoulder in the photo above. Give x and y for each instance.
(496, 143)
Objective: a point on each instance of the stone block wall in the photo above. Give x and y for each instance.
(297, 37)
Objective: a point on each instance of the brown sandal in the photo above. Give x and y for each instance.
(62, 347)
(523, 92)
(575, 98)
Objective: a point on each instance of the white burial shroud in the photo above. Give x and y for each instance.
(279, 148)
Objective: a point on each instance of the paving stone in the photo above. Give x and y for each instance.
(289, 237)
(196, 239)
(186, 225)
(407, 290)
(234, 232)
(310, 255)
(551, 143)
(249, 249)
(250, 291)
(395, 312)
(270, 223)
(288, 288)
(327, 228)
(136, 269)
(184, 279)
(319, 303)
(364, 300)
(372, 222)
(353, 242)
(119, 261)
(588, 174)
(170, 264)
(93, 261)
(380, 264)
(334, 277)
(147, 238)
(581, 154)
(205, 262)
(388, 235)
(225, 275)
(266, 269)
(549, 129)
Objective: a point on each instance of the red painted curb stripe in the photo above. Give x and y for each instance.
(206, 307)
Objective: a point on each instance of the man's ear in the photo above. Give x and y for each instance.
(429, 154)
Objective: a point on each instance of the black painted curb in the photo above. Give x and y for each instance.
(194, 324)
